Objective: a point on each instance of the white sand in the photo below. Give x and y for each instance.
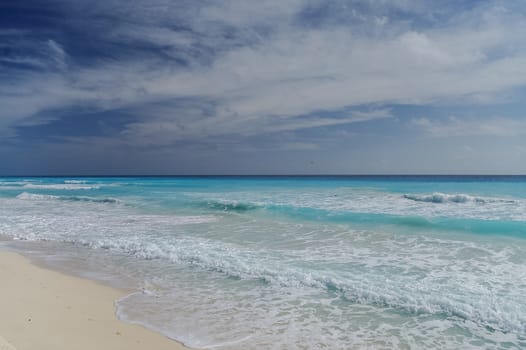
(4, 345)
(42, 309)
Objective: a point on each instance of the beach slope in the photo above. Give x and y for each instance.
(47, 310)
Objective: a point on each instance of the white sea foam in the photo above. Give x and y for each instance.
(412, 295)
(46, 197)
(35, 196)
(12, 183)
(445, 198)
(65, 186)
(75, 181)
(374, 293)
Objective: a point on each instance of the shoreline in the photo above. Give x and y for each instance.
(48, 310)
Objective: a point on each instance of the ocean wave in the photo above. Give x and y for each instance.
(75, 182)
(45, 197)
(234, 262)
(12, 183)
(411, 219)
(64, 186)
(446, 224)
(373, 286)
(228, 206)
(445, 198)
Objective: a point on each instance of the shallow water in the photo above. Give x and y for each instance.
(292, 263)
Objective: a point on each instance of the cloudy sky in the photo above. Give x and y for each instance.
(262, 87)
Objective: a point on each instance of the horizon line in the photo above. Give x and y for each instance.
(267, 175)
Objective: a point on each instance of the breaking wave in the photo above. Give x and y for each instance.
(245, 264)
(228, 206)
(75, 181)
(44, 197)
(445, 198)
(64, 186)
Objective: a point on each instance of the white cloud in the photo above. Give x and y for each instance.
(24, 60)
(165, 130)
(57, 53)
(452, 126)
(264, 83)
(247, 13)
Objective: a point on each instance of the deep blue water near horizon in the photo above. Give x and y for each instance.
(288, 262)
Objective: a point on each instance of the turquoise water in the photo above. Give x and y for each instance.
(292, 262)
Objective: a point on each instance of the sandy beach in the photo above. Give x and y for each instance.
(47, 310)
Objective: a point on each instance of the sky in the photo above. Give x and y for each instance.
(160, 87)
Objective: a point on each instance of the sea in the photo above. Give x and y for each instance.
(290, 262)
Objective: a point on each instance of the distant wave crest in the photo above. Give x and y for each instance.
(74, 182)
(229, 206)
(64, 186)
(44, 197)
(445, 198)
